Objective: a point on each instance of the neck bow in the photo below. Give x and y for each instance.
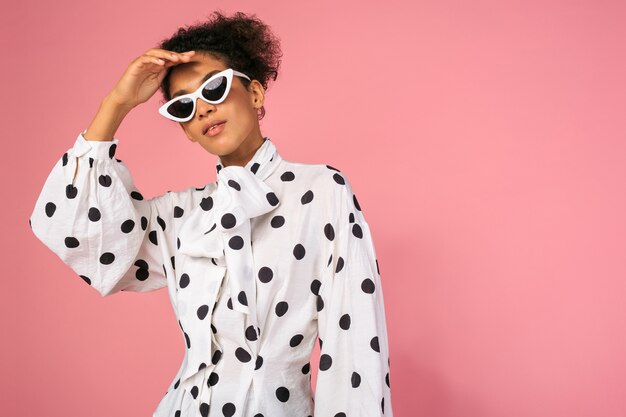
(217, 237)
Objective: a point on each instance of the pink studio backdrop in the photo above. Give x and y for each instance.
(485, 141)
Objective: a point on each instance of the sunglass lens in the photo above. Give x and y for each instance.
(181, 108)
(215, 89)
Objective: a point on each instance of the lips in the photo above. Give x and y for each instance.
(209, 125)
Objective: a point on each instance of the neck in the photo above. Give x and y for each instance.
(244, 153)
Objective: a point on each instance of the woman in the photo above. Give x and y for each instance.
(257, 264)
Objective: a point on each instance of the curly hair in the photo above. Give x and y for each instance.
(243, 42)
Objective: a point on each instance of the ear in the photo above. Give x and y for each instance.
(256, 93)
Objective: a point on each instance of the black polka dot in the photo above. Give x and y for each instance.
(229, 303)
(234, 184)
(127, 226)
(194, 391)
(374, 344)
(306, 368)
(277, 221)
(242, 355)
(144, 223)
(265, 274)
(339, 179)
(272, 199)
(282, 394)
(339, 266)
(112, 150)
(64, 159)
(213, 379)
(255, 167)
(152, 236)
(235, 242)
(107, 258)
(357, 231)
(161, 222)
(228, 221)
(315, 286)
(307, 197)
(241, 297)
(105, 180)
(296, 340)
(136, 195)
(340, 415)
(356, 203)
(217, 355)
(93, 214)
(355, 380)
(325, 362)
(251, 333)
(287, 176)
(368, 286)
(50, 209)
(344, 322)
(187, 340)
(184, 281)
(206, 203)
(320, 303)
(86, 279)
(281, 308)
(178, 212)
(71, 191)
(387, 380)
(71, 242)
(329, 231)
(229, 409)
(202, 312)
(204, 409)
(299, 251)
(259, 362)
(142, 274)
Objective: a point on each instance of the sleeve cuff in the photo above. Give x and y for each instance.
(94, 148)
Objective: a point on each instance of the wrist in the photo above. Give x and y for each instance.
(116, 104)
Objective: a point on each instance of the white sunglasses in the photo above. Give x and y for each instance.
(214, 91)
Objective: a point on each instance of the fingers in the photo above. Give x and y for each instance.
(168, 58)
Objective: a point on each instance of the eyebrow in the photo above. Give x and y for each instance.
(206, 77)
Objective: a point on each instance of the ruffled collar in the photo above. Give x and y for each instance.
(262, 164)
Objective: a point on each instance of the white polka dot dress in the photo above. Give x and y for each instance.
(257, 265)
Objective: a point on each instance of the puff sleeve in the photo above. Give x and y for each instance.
(91, 215)
(353, 377)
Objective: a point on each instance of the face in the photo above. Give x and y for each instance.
(240, 135)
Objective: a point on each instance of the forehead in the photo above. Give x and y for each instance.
(188, 76)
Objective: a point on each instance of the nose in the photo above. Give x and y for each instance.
(203, 108)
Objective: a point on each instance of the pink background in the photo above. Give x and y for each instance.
(485, 141)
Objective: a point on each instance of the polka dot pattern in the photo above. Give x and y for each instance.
(259, 263)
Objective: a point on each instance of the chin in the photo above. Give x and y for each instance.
(220, 145)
